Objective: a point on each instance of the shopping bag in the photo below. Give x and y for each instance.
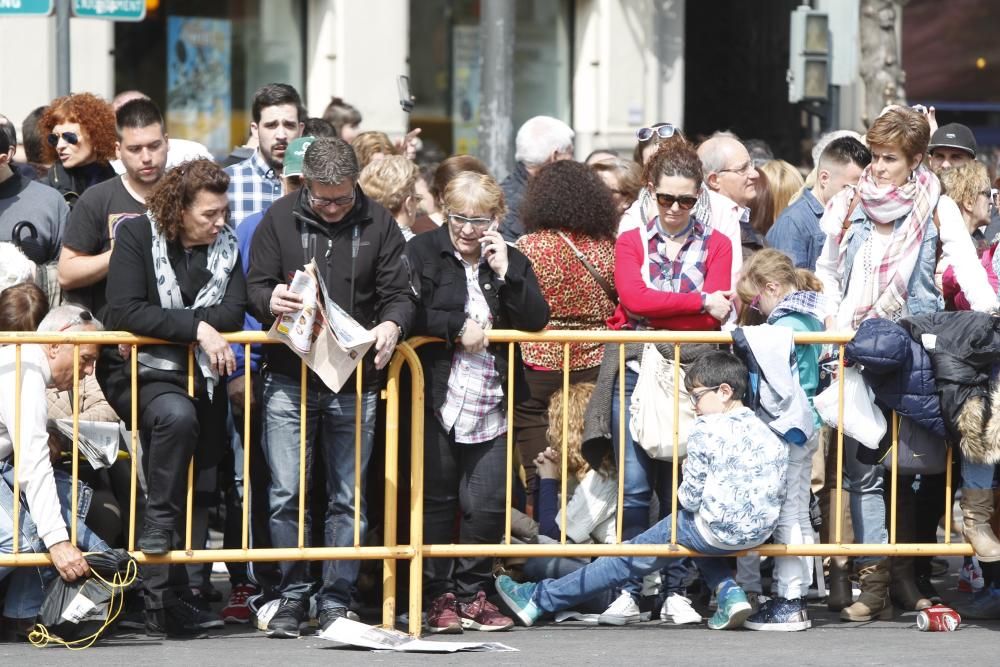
(651, 412)
(862, 420)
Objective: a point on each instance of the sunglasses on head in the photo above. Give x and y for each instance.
(83, 317)
(68, 137)
(684, 202)
(664, 131)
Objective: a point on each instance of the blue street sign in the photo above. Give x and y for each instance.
(26, 7)
(112, 10)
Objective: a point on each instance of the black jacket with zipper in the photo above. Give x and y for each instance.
(359, 257)
(515, 303)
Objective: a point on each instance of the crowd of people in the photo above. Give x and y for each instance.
(106, 222)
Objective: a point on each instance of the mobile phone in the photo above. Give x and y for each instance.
(405, 98)
(495, 225)
(919, 108)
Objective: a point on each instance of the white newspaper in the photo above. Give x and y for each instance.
(323, 334)
(98, 440)
(352, 633)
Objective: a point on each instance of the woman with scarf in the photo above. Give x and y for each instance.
(883, 242)
(174, 275)
(671, 272)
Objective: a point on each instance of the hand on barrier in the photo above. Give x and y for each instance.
(386, 337)
(68, 561)
(219, 352)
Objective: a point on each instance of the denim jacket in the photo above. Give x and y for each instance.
(797, 233)
(923, 295)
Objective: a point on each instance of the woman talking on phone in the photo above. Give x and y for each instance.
(469, 282)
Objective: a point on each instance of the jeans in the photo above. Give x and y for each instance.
(977, 475)
(552, 595)
(28, 584)
(332, 416)
(642, 476)
(554, 567)
(466, 480)
(794, 573)
(866, 484)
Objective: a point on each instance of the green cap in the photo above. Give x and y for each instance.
(294, 155)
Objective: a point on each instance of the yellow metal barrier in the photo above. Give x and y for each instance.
(415, 550)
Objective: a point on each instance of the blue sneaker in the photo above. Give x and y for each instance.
(780, 615)
(985, 605)
(518, 599)
(734, 608)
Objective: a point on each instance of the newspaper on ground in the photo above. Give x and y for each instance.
(352, 633)
(98, 440)
(323, 334)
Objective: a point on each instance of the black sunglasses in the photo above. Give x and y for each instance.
(69, 137)
(684, 202)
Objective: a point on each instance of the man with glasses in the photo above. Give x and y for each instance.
(358, 250)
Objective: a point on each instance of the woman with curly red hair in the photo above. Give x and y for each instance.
(79, 131)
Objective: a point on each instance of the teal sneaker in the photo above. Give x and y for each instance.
(518, 599)
(734, 608)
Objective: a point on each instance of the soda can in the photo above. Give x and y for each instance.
(938, 618)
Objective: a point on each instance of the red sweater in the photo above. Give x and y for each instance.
(667, 310)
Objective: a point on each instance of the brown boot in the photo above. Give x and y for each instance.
(977, 507)
(840, 594)
(874, 601)
(903, 588)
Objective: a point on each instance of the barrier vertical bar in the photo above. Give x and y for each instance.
(390, 520)
(510, 440)
(75, 464)
(190, 489)
(416, 492)
(621, 441)
(247, 389)
(677, 438)
(949, 495)
(894, 478)
(303, 377)
(357, 456)
(134, 433)
(565, 440)
(838, 527)
(16, 539)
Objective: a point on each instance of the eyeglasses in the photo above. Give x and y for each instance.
(461, 221)
(742, 170)
(69, 137)
(664, 131)
(755, 303)
(83, 317)
(684, 202)
(699, 394)
(320, 202)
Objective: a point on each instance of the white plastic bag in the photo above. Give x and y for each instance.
(651, 411)
(862, 420)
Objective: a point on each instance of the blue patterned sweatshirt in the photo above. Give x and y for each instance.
(734, 479)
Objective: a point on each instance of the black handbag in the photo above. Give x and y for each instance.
(167, 363)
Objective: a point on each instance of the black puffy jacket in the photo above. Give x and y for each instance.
(899, 371)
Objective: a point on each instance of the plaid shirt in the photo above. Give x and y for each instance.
(253, 187)
(686, 273)
(473, 405)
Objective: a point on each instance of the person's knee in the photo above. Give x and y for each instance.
(175, 413)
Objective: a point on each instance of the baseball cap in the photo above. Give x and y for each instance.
(294, 155)
(954, 135)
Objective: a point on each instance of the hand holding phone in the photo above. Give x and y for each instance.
(495, 250)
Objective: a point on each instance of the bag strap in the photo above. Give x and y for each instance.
(938, 249)
(601, 280)
(846, 224)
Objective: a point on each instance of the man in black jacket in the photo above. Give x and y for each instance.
(358, 250)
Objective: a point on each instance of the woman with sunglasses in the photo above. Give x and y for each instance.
(469, 282)
(174, 275)
(80, 136)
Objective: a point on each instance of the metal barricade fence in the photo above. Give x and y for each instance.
(415, 550)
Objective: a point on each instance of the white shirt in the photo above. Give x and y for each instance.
(591, 510)
(34, 468)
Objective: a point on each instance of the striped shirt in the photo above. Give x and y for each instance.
(253, 187)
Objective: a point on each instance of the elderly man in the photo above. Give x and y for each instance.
(46, 493)
(358, 249)
(539, 141)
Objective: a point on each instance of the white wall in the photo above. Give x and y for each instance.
(28, 63)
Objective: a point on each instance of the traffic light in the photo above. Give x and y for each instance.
(809, 55)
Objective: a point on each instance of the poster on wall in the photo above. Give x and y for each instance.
(465, 75)
(198, 80)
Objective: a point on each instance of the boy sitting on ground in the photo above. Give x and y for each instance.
(731, 495)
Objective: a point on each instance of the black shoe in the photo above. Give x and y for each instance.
(287, 621)
(927, 589)
(155, 541)
(179, 620)
(328, 616)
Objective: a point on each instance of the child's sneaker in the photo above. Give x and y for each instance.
(443, 618)
(518, 599)
(970, 577)
(733, 609)
(780, 615)
(623, 611)
(677, 609)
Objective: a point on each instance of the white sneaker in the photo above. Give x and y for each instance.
(677, 609)
(622, 611)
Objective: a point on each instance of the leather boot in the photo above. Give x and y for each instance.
(874, 601)
(903, 587)
(839, 583)
(977, 507)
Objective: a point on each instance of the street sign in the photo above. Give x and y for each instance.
(26, 7)
(112, 10)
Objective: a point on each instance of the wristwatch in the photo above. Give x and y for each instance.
(461, 332)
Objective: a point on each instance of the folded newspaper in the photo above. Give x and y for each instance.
(352, 633)
(98, 440)
(323, 334)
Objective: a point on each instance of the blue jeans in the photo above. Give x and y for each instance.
(866, 484)
(333, 416)
(552, 595)
(977, 475)
(643, 475)
(28, 584)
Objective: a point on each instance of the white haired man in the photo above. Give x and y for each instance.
(540, 140)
